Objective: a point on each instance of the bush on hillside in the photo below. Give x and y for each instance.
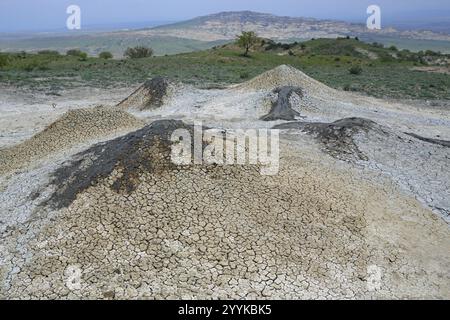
(105, 55)
(356, 70)
(49, 52)
(138, 52)
(74, 53)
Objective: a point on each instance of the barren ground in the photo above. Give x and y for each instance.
(363, 189)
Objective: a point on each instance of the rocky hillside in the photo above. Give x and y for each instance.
(226, 25)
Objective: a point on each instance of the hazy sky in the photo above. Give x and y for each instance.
(38, 15)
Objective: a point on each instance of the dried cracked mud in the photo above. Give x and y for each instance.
(357, 210)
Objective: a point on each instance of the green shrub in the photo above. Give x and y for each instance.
(49, 52)
(393, 48)
(385, 56)
(355, 70)
(138, 52)
(377, 45)
(77, 53)
(244, 75)
(74, 52)
(83, 56)
(105, 55)
(4, 59)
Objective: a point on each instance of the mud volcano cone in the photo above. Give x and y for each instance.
(150, 95)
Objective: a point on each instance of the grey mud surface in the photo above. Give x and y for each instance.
(357, 210)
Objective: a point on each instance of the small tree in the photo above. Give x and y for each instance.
(393, 48)
(105, 55)
(83, 56)
(138, 52)
(77, 53)
(247, 40)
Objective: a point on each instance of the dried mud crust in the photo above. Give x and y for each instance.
(338, 137)
(220, 232)
(416, 163)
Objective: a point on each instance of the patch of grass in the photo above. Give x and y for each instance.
(3, 60)
(74, 52)
(386, 77)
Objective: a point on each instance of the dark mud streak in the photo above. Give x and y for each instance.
(154, 89)
(146, 150)
(337, 137)
(443, 143)
(282, 108)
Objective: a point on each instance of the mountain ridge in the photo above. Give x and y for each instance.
(225, 25)
(205, 32)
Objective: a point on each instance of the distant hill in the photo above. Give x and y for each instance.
(225, 25)
(345, 47)
(207, 31)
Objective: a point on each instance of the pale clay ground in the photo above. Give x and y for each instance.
(313, 231)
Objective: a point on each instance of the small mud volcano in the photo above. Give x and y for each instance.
(126, 158)
(150, 95)
(146, 150)
(282, 108)
(338, 137)
(138, 227)
(288, 76)
(73, 128)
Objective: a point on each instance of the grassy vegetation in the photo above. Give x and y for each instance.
(116, 43)
(329, 61)
(410, 44)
